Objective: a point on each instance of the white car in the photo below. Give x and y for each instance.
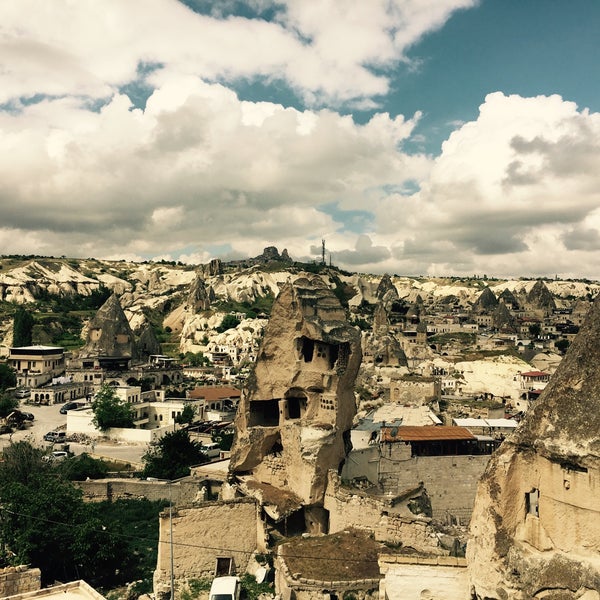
(56, 456)
(23, 393)
(225, 588)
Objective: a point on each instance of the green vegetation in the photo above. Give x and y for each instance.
(46, 523)
(262, 304)
(224, 438)
(8, 377)
(251, 589)
(172, 456)
(7, 405)
(187, 416)
(82, 467)
(195, 359)
(228, 322)
(195, 587)
(22, 328)
(110, 410)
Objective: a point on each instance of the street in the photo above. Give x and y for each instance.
(48, 418)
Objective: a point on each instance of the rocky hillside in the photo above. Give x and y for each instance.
(187, 303)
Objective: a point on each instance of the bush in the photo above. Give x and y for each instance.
(82, 467)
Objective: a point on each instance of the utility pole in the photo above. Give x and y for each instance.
(170, 483)
(323, 252)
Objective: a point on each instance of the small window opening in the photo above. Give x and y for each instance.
(307, 349)
(532, 502)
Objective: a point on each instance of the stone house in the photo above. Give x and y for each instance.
(36, 365)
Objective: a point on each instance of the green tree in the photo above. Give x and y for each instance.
(561, 345)
(110, 410)
(79, 468)
(22, 328)
(228, 322)
(535, 329)
(46, 523)
(7, 405)
(172, 456)
(187, 414)
(8, 377)
(224, 439)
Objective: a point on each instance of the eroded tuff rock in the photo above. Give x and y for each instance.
(199, 297)
(109, 333)
(297, 411)
(540, 297)
(486, 301)
(536, 522)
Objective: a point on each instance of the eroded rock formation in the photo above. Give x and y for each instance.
(536, 521)
(109, 333)
(297, 411)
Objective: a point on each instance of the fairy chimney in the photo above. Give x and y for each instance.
(296, 413)
(536, 521)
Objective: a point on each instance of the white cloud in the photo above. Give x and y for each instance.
(197, 163)
(325, 50)
(513, 192)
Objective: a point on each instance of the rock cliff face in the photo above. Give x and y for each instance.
(536, 523)
(295, 415)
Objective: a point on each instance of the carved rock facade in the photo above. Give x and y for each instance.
(296, 414)
(536, 521)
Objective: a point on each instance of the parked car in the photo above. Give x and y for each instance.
(56, 456)
(5, 429)
(23, 393)
(225, 588)
(65, 408)
(211, 449)
(28, 416)
(56, 436)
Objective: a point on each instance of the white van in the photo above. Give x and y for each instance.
(211, 450)
(225, 588)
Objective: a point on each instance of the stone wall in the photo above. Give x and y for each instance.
(450, 481)
(415, 391)
(183, 491)
(393, 524)
(201, 534)
(19, 580)
(301, 588)
(415, 578)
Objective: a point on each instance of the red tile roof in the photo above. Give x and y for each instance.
(535, 374)
(425, 433)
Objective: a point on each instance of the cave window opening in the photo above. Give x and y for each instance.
(276, 448)
(532, 502)
(296, 407)
(334, 352)
(264, 413)
(307, 349)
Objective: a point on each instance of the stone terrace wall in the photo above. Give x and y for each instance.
(97, 490)
(450, 481)
(19, 580)
(201, 534)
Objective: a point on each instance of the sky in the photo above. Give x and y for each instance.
(416, 137)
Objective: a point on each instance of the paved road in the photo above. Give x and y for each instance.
(48, 418)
